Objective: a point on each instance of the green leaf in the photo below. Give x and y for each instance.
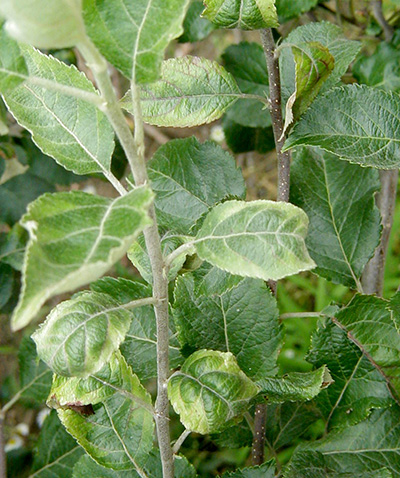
(55, 24)
(381, 69)
(140, 259)
(356, 451)
(241, 139)
(368, 323)
(195, 27)
(140, 346)
(288, 8)
(35, 376)
(210, 391)
(331, 37)
(75, 238)
(230, 314)
(125, 33)
(261, 239)
(13, 69)
(394, 307)
(295, 386)
(86, 467)
(6, 283)
(189, 178)
(266, 470)
(314, 64)
(338, 198)
(83, 146)
(357, 388)
(79, 335)
(192, 91)
(57, 452)
(246, 62)
(119, 432)
(356, 123)
(243, 14)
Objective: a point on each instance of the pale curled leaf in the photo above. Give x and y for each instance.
(295, 386)
(210, 391)
(314, 63)
(133, 35)
(338, 198)
(243, 14)
(72, 131)
(228, 313)
(191, 91)
(356, 123)
(260, 239)
(44, 24)
(79, 335)
(119, 432)
(75, 238)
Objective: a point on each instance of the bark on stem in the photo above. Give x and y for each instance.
(3, 463)
(269, 46)
(373, 276)
(388, 30)
(134, 149)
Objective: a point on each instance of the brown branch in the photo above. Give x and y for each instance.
(388, 30)
(269, 46)
(373, 276)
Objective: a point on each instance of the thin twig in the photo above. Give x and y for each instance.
(134, 149)
(179, 441)
(388, 30)
(269, 46)
(293, 315)
(373, 276)
(3, 462)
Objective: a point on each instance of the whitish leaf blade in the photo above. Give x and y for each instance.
(140, 346)
(243, 14)
(210, 391)
(357, 388)
(70, 130)
(75, 238)
(189, 177)
(118, 433)
(260, 239)
(79, 335)
(57, 451)
(13, 69)
(231, 314)
(191, 91)
(125, 33)
(338, 198)
(60, 27)
(356, 123)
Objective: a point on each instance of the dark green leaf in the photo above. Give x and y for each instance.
(288, 8)
(6, 283)
(189, 178)
(267, 470)
(382, 69)
(338, 198)
(214, 310)
(357, 388)
(246, 62)
(195, 27)
(57, 451)
(242, 140)
(395, 309)
(356, 123)
(35, 376)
